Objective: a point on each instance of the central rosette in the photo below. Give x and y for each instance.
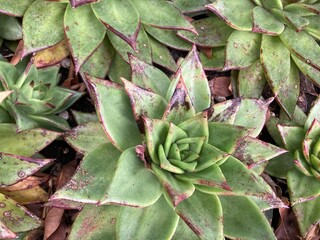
(179, 153)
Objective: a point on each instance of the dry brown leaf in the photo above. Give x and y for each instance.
(60, 233)
(288, 227)
(206, 51)
(29, 182)
(52, 221)
(221, 86)
(52, 55)
(314, 233)
(66, 173)
(17, 55)
(28, 196)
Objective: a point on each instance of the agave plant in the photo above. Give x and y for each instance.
(173, 170)
(269, 41)
(125, 26)
(16, 167)
(300, 166)
(35, 97)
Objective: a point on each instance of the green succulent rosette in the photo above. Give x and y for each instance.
(35, 97)
(264, 42)
(300, 166)
(172, 166)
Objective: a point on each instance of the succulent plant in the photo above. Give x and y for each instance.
(35, 97)
(300, 166)
(268, 41)
(174, 168)
(16, 167)
(93, 30)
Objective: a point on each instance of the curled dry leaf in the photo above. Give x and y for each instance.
(221, 86)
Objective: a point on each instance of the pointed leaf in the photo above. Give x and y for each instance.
(114, 110)
(216, 61)
(270, 4)
(42, 25)
(3, 95)
(144, 103)
(16, 217)
(243, 219)
(293, 20)
(184, 232)
(82, 139)
(169, 17)
(121, 17)
(16, 8)
(279, 166)
(25, 143)
(226, 10)
(313, 114)
(149, 77)
(157, 221)
(303, 46)
(264, 22)
(18, 167)
(6, 232)
(10, 28)
(177, 190)
(212, 32)
(242, 49)
(203, 214)
(119, 68)
(292, 137)
(143, 189)
(77, 23)
(102, 219)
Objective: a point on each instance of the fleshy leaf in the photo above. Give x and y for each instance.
(264, 22)
(203, 214)
(293, 20)
(25, 143)
(313, 114)
(269, 4)
(82, 139)
(279, 166)
(248, 224)
(177, 190)
(312, 73)
(18, 167)
(183, 231)
(303, 46)
(119, 68)
(157, 221)
(242, 49)
(16, 217)
(195, 80)
(121, 17)
(80, 24)
(78, 3)
(10, 28)
(149, 77)
(226, 10)
(6, 233)
(102, 219)
(115, 113)
(292, 137)
(3, 95)
(16, 8)
(42, 25)
(216, 61)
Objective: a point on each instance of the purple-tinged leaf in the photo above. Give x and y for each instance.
(6, 233)
(264, 22)
(115, 113)
(157, 221)
(176, 190)
(226, 10)
(203, 214)
(16, 8)
(78, 3)
(121, 17)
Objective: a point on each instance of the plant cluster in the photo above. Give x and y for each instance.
(161, 159)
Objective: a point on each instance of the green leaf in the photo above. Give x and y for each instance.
(307, 214)
(251, 81)
(275, 59)
(203, 214)
(84, 117)
(102, 219)
(16, 217)
(279, 166)
(264, 22)
(212, 32)
(10, 28)
(313, 27)
(216, 61)
(242, 49)
(184, 232)
(114, 110)
(313, 114)
(77, 22)
(303, 46)
(245, 182)
(226, 9)
(243, 219)
(42, 26)
(119, 68)
(302, 188)
(16, 8)
(25, 143)
(270, 4)
(169, 17)
(82, 139)
(195, 80)
(293, 20)
(196, 126)
(157, 221)
(252, 151)
(144, 103)
(18, 168)
(176, 190)
(119, 16)
(191, 6)
(149, 77)
(168, 38)
(142, 48)
(292, 137)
